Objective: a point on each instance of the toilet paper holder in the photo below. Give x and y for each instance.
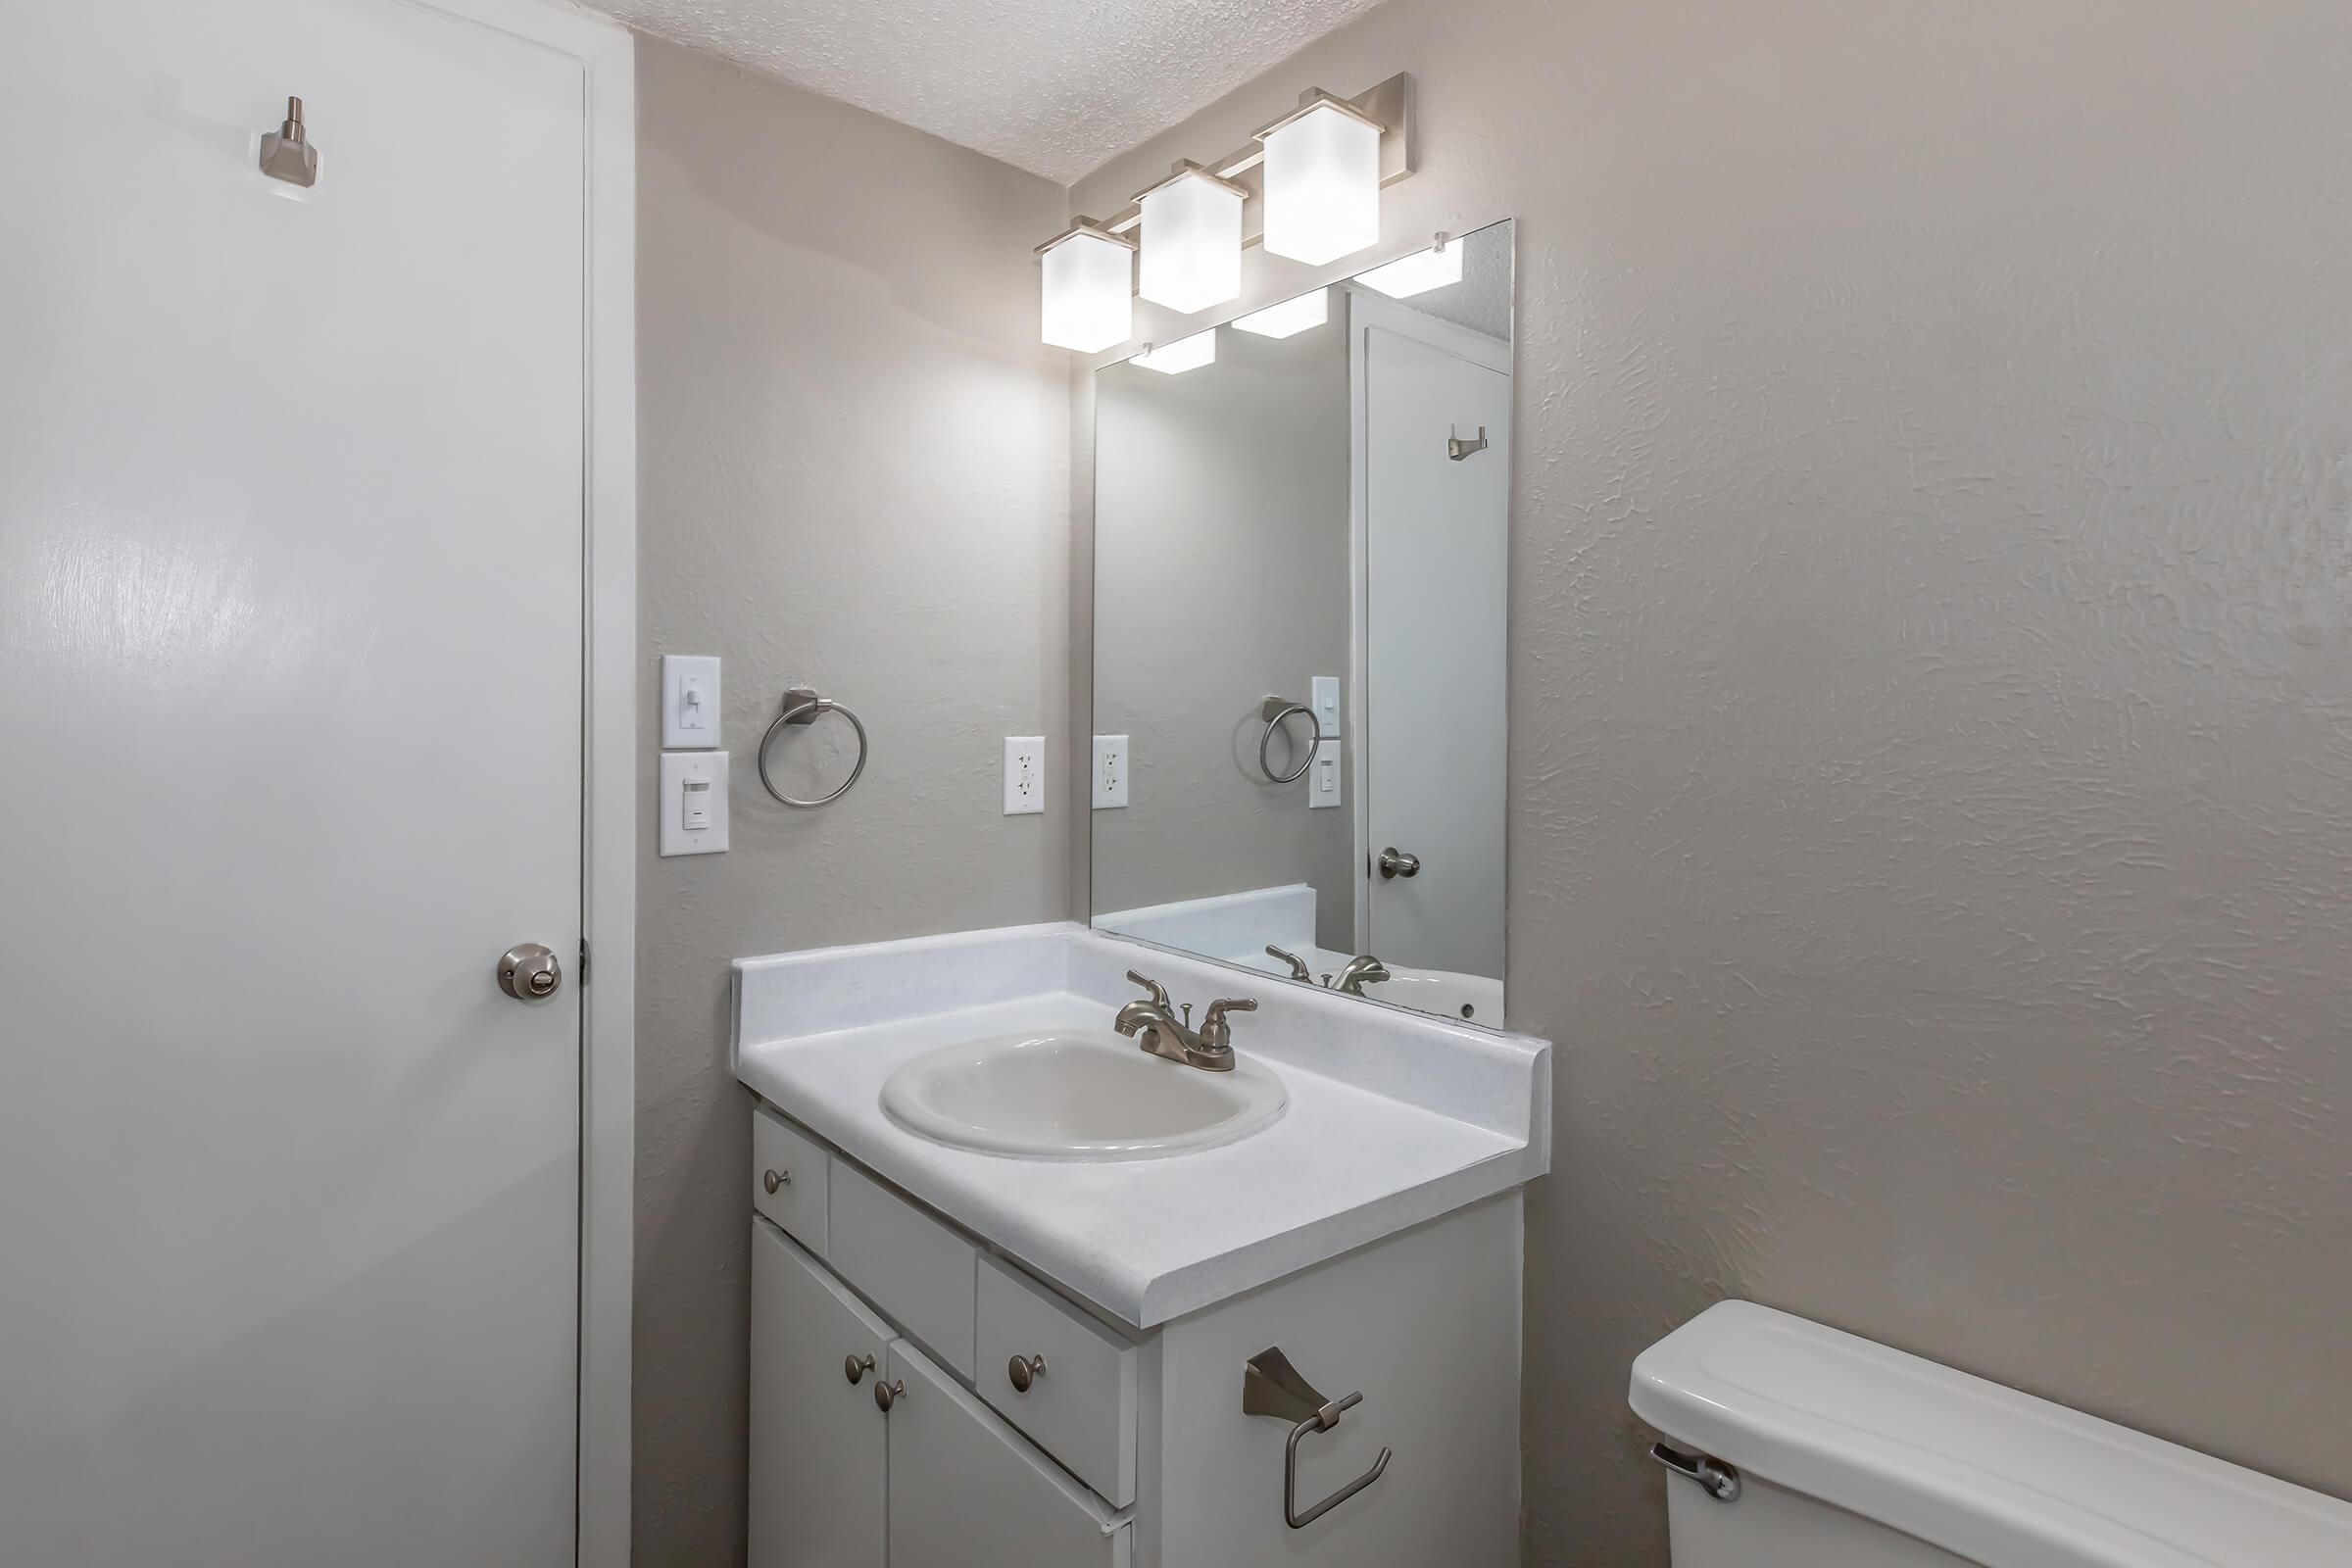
(1272, 1387)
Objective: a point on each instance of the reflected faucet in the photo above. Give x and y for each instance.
(1361, 970)
(1152, 1024)
(1298, 968)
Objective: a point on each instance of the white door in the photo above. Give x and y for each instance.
(290, 676)
(966, 1490)
(819, 1449)
(1437, 563)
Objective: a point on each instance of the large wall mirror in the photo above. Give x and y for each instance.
(1302, 591)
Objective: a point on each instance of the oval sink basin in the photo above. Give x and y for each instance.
(1076, 1095)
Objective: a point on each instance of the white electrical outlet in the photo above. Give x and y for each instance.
(1024, 774)
(1110, 771)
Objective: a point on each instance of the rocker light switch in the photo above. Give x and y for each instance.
(694, 802)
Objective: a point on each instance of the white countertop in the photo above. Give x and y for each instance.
(1392, 1118)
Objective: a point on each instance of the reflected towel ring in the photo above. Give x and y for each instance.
(1274, 709)
(802, 705)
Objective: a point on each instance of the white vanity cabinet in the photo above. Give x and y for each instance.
(819, 1453)
(966, 1488)
(934, 1482)
(1019, 1430)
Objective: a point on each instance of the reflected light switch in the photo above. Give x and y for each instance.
(1323, 784)
(1323, 696)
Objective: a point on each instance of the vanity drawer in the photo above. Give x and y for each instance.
(1081, 1409)
(789, 1173)
(916, 1270)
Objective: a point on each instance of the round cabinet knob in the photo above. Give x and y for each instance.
(887, 1395)
(1024, 1370)
(530, 972)
(774, 1179)
(855, 1367)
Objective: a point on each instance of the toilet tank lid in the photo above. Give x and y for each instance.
(1984, 1472)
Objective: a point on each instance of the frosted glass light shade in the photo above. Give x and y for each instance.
(1192, 243)
(1290, 318)
(1418, 273)
(1089, 301)
(1322, 174)
(1185, 353)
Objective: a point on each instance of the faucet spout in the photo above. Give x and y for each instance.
(1150, 1024)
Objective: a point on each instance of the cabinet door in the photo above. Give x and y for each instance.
(819, 1446)
(966, 1488)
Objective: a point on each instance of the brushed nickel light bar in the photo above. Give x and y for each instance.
(1389, 106)
(1332, 156)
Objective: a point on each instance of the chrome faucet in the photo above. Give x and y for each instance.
(1153, 1025)
(1361, 970)
(1298, 968)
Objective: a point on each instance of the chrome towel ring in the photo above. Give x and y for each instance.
(1274, 709)
(803, 707)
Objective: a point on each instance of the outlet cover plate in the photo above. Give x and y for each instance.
(1024, 774)
(1110, 772)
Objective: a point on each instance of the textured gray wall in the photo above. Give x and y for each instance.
(1221, 510)
(1932, 714)
(854, 472)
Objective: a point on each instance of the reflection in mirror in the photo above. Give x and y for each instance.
(1302, 546)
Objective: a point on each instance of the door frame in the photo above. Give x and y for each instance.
(1367, 309)
(606, 53)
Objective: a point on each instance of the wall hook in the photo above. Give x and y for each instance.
(287, 152)
(1458, 449)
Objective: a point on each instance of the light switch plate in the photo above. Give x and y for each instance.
(1323, 779)
(1323, 697)
(677, 769)
(1110, 772)
(689, 701)
(1024, 774)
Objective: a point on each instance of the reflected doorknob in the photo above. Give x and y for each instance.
(530, 972)
(1394, 863)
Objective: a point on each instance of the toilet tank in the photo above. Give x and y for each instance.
(1804, 1447)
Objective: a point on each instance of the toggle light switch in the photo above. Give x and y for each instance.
(690, 715)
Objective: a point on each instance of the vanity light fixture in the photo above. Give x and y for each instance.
(1185, 353)
(1322, 176)
(1419, 272)
(1191, 232)
(1306, 186)
(1088, 287)
(1290, 318)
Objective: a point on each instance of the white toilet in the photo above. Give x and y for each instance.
(1799, 1447)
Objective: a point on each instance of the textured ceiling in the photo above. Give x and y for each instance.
(1052, 87)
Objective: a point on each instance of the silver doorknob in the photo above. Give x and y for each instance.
(1024, 1370)
(1393, 864)
(528, 972)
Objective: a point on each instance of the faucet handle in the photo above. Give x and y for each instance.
(1160, 993)
(1298, 968)
(1215, 1032)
